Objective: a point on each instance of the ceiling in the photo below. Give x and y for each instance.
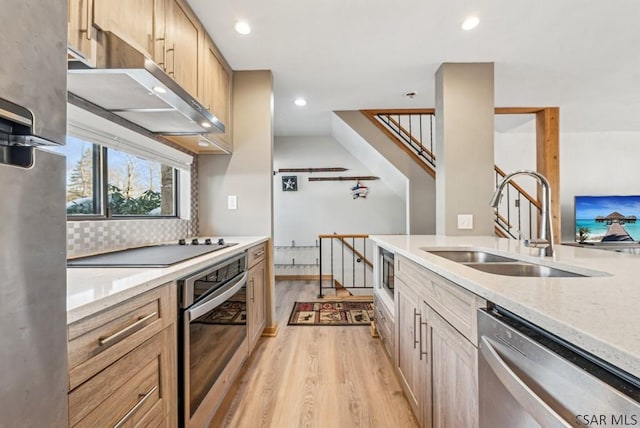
(351, 54)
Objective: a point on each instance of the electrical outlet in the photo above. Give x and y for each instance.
(232, 202)
(465, 221)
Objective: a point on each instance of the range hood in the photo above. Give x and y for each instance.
(130, 85)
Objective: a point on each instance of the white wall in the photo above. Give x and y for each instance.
(247, 172)
(591, 163)
(326, 207)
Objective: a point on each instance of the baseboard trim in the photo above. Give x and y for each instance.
(271, 331)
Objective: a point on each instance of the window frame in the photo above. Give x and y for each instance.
(101, 189)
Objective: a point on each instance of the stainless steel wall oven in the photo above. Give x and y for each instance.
(213, 328)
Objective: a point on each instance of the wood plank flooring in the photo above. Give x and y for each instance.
(315, 377)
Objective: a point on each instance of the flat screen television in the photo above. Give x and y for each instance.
(607, 219)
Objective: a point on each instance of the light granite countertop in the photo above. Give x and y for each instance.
(600, 313)
(90, 290)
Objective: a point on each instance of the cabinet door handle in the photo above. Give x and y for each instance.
(88, 14)
(141, 399)
(258, 253)
(162, 64)
(125, 332)
(425, 353)
(172, 49)
(253, 291)
(415, 315)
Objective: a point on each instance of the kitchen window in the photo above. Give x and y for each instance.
(113, 172)
(134, 186)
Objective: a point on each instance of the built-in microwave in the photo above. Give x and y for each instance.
(386, 281)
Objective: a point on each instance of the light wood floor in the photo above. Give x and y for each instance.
(315, 377)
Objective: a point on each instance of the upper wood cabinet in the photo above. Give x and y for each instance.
(216, 89)
(81, 37)
(184, 38)
(133, 21)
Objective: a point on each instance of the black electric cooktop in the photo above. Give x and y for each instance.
(152, 256)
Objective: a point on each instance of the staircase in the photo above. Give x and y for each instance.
(413, 131)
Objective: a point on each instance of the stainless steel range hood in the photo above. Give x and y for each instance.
(130, 85)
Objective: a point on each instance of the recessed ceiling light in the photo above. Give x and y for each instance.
(243, 27)
(470, 23)
(203, 143)
(159, 90)
(205, 124)
(300, 102)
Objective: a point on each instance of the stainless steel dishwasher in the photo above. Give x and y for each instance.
(530, 378)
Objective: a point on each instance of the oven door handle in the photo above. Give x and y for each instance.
(216, 298)
(529, 400)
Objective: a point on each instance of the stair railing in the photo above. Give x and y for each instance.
(516, 216)
(518, 212)
(343, 259)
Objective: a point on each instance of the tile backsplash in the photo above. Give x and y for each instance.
(90, 237)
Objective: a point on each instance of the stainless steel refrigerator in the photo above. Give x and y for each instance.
(33, 378)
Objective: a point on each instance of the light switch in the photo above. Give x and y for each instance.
(465, 221)
(232, 202)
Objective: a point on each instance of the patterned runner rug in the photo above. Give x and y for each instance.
(332, 313)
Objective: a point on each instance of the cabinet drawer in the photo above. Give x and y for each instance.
(384, 324)
(99, 340)
(257, 254)
(133, 391)
(455, 304)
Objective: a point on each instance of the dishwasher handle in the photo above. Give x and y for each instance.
(528, 399)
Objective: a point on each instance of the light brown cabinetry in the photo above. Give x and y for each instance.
(385, 325)
(216, 91)
(168, 32)
(81, 36)
(443, 329)
(184, 38)
(454, 374)
(256, 294)
(132, 21)
(122, 363)
(410, 364)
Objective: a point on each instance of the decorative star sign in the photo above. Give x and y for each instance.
(359, 191)
(289, 184)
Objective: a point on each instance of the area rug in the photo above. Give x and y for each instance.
(332, 313)
(230, 312)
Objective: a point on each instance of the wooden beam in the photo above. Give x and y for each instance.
(548, 159)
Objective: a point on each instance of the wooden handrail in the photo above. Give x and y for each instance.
(519, 189)
(411, 137)
(370, 114)
(349, 246)
(335, 235)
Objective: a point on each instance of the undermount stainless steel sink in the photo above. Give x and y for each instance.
(501, 265)
(464, 256)
(522, 269)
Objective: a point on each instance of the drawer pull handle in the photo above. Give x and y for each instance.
(141, 399)
(258, 253)
(119, 335)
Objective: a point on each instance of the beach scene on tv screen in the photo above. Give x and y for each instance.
(607, 218)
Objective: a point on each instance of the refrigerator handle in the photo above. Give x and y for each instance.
(528, 399)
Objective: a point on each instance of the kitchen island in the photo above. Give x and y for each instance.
(598, 312)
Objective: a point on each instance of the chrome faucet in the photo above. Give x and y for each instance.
(545, 241)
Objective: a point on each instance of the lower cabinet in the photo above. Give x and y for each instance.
(122, 364)
(453, 372)
(436, 363)
(256, 294)
(410, 364)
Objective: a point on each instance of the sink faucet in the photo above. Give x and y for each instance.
(545, 240)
